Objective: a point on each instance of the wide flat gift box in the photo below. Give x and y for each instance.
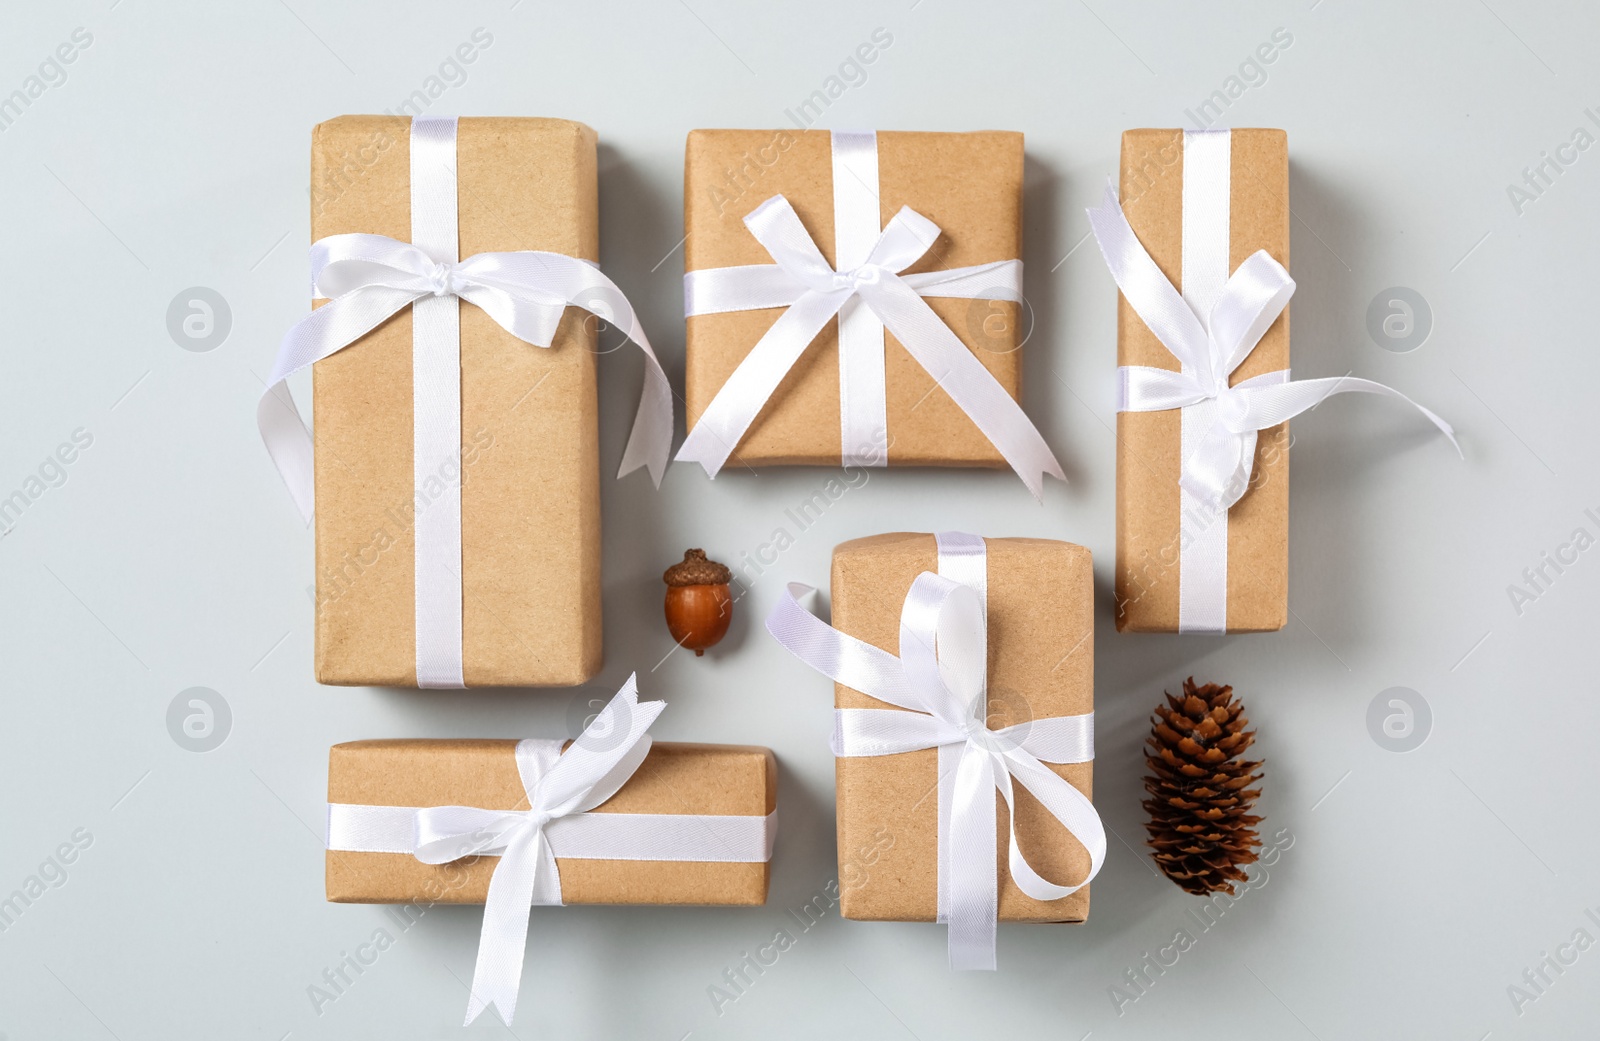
(675, 778)
(969, 184)
(529, 466)
(1041, 663)
(1150, 521)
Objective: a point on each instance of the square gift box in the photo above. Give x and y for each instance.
(969, 185)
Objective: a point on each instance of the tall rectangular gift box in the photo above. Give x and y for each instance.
(845, 188)
(1040, 621)
(1182, 566)
(528, 468)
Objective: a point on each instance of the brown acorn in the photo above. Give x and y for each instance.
(699, 606)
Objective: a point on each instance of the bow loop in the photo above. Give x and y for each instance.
(905, 239)
(777, 227)
(941, 650)
(446, 833)
(1148, 291)
(1253, 298)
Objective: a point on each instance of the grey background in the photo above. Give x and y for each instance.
(1418, 886)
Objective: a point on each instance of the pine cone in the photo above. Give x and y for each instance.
(1200, 824)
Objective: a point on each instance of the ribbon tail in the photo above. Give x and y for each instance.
(325, 331)
(1218, 471)
(958, 372)
(497, 976)
(725, 421)
(974, 882)
(602, 758)
(650, 441)
(1271, 405)
(1067, 805)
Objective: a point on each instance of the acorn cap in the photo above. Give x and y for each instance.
(695, 570)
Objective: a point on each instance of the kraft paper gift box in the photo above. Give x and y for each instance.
(1151, 526)
(529, 462)
(1040, 664)
(675, 778)
(969, 184)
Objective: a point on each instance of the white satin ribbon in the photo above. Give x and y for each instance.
(1210, 329)
(868, 294)
(369, 278)
(939, 685)
(561, 789)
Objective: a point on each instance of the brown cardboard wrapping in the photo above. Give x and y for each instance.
(1149, 526)
(733, 780)
(1041, 664)
(970, 185)
(530, 507)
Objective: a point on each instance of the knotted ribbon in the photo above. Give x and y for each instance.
(868, 293)
(939, 687)
(369, 278)
(561, 788)
(1211, 328)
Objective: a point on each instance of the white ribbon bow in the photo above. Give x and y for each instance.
(369, 278)
(558, 784)
(940, 678)
(1211, 347)
(802, 281)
